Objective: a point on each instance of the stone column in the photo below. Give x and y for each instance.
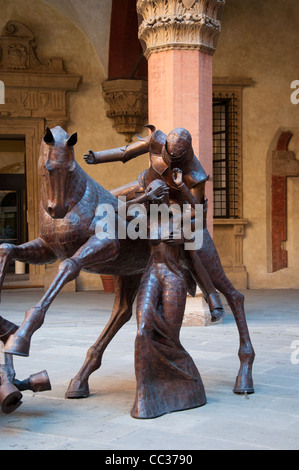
(179, 39)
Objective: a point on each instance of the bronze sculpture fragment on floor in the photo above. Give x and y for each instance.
(68, 221)
(10, 387)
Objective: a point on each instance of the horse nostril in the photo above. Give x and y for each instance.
(58, 212)
(51, 210)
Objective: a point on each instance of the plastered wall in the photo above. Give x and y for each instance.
(259, 40)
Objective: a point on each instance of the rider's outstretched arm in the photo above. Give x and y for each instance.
(120, 154)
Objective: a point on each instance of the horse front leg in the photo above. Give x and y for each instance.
(93, 251)
(212, 263)
(126, 289)
(33, 252)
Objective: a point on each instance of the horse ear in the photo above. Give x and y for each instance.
(73, 166)
(72, 140)
(48, 137)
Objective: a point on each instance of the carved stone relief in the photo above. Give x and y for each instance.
(35, 96)
(18, 51)
(33, 88)
(127, 105)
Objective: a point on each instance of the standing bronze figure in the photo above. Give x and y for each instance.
(167, 379)
(68, 220)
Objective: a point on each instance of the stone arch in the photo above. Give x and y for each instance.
(92, 17)
(282, 163)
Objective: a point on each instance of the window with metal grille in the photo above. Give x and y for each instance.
(226, 157)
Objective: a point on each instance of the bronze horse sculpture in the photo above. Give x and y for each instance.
(68, 208)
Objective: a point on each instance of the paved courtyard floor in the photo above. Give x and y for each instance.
(267, 420)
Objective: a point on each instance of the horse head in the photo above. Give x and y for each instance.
(56, 166)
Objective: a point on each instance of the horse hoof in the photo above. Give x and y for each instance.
(217, 315)
(17, 345)
(77, 389)
(39, 382)
(243, 391)
(10, 398)
(242, 388)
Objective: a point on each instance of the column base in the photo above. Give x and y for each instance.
(197, 312)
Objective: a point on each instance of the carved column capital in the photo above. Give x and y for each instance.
(179, 24)
(127, 105)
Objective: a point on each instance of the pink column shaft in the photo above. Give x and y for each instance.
(180, 95)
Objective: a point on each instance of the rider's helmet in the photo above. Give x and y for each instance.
(178, 144)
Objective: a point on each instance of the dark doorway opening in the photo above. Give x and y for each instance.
(13, 210)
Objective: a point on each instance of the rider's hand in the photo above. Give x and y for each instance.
(157, 194)
(90, 157)
(177, 176)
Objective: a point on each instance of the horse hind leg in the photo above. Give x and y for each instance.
(244, 381)
(126, 289)
(235, 299)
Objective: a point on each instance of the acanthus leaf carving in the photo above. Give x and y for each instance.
(127, 105)
(179, 24)
(188, 3)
